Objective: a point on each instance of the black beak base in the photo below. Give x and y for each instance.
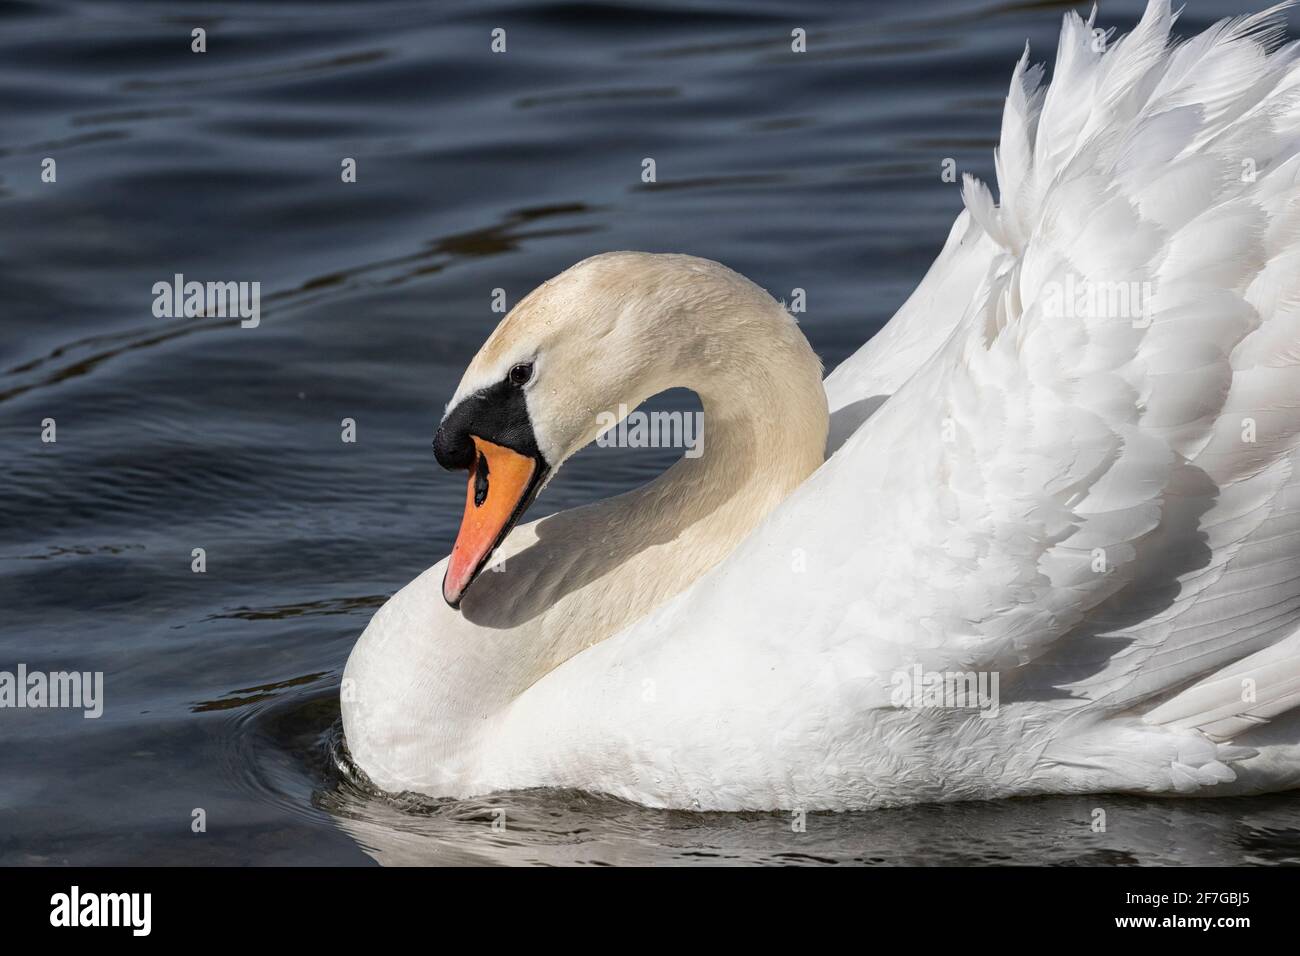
(498, 414)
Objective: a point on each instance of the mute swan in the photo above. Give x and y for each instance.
(1069, 463)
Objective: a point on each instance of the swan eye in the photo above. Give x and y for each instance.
(520, 374)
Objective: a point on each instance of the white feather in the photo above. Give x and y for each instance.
(1102, 509)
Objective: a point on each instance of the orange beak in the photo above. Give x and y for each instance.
(502, 483)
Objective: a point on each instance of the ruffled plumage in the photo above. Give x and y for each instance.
(1071, 460)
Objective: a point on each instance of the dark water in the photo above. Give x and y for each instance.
(476, 171)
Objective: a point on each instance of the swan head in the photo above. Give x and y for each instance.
(609, 332)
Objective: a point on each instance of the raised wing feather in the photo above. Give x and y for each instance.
(1117, 496)
(1086, 476)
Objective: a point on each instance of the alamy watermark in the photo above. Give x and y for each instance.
(639, 429)
(56, 689)
(950, 690)
(76, 908)
(1088, 299)
(179, 299)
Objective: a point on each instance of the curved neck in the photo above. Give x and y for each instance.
(607, 564)
(764, 432)
(428, 679)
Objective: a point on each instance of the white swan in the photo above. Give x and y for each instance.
(1094, 498)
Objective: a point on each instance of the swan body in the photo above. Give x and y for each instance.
(1095, 510)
